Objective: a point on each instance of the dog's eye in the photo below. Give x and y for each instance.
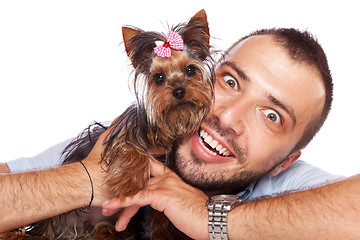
(159, 78)
(190, 70)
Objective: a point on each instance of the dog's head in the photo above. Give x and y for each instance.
(173, 82)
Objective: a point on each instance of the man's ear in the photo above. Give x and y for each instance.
(287, 163)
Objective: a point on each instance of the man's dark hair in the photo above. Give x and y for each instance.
(303, 47)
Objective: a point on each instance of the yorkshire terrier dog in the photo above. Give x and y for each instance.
(173, 83)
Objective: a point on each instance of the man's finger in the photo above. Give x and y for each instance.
(158, 168)
(142, 198)
(125, 217)
(110, 211)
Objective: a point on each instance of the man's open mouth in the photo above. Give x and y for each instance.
(212, 146)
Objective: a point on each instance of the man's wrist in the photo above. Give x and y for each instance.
(218, 207)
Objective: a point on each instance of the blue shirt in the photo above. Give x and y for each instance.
(50, 158)
(299, 176)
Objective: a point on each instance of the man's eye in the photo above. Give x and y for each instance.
(231, 81)
(273, 116)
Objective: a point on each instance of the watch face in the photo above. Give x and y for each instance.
(227, 198)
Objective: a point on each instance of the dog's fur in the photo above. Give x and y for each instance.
(173, 95)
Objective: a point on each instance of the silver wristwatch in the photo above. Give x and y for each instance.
(219, 206)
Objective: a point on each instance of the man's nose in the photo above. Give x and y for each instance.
(231, 116)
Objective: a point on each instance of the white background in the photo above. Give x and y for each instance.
(62, 64)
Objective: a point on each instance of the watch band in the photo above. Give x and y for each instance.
(218, 207)
(217, 221)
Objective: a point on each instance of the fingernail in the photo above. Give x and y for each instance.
(118, 227)
(106, 202)
(104, 211)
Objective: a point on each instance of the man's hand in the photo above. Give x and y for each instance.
(97, 170)
(184, 205)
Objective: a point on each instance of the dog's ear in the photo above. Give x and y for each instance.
(196, 35)
(198, 28)
(129, 34)
(139, 46)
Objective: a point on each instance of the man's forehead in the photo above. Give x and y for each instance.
(257, 44)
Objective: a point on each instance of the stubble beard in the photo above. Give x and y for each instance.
(192, 170)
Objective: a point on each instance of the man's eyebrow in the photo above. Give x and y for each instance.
(236, 69)
(289, 110)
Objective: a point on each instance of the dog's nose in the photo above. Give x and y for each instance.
(179, 93)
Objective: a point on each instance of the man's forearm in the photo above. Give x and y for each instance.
(328, 212)
(32, 196)
(4, 168)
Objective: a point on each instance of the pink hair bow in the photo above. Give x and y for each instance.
(173, 41)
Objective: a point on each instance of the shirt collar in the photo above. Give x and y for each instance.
(245, 194)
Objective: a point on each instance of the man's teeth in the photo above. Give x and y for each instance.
(217, 148)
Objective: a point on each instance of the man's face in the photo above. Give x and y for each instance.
(263, 102)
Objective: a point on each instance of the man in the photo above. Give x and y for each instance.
(272, 94)
(260, 116)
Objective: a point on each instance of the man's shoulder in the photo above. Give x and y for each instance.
(52, 157)
(299, 176)
(303, 174)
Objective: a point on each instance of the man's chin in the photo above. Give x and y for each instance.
(194, 171)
